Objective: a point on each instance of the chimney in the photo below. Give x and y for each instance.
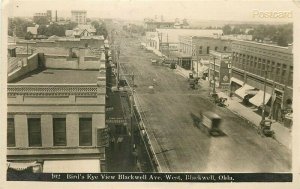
(56, 16)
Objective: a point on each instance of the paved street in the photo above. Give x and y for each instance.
(180, 146)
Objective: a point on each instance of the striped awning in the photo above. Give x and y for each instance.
(242, 92)
(21, 166)
(257, 100)
(72, 166)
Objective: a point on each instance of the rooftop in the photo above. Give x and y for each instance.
(60, 76)
(172, 35)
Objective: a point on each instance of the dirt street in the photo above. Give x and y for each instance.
(180, 146)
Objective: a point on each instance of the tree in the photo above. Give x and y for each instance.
(19, 25)
(71, 25)
(41, 20)
(226, 30)
(55, 29)
(42, 30)
(28, 36)
(100, 28)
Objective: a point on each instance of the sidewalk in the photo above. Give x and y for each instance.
(282, 134)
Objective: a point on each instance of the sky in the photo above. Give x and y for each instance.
(138, 10)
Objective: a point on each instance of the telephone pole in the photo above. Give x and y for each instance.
(214, 89)
(264, 96)
(197, 53)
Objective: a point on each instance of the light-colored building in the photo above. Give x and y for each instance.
(33, 31)
(157, 23)
(78, 16)
(56, 115)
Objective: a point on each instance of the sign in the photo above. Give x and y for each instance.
(164, 46)
(116, 120)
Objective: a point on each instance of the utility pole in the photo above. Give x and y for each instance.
(264, 96)
(273, 100)
(131, 111)
(197, 53)
(168, 45)
(214, 89)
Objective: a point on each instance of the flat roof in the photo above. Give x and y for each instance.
(60, 76)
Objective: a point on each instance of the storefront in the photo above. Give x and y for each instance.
(72, 166)
(185, 62)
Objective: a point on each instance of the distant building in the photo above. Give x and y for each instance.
(49, 15)
(33, 31)
(169, 38)
(80, 31)
(251, 63)
(153, 24)
(78, 16)
(43, 18)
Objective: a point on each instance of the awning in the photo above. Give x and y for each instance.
(233, 79)
(257, 100)
(242, 92)
(72, 166)
(20, 166)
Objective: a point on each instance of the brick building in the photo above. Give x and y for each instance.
(251, 63)
(198, 47)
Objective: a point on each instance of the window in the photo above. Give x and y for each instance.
(200, 50)
(11, 142)
(85, 131)
(59, 132)
(34, 132)
(207, 50)
(225, 48)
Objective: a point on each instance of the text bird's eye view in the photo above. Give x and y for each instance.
(149, 90)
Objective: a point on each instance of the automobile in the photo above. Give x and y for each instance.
(211, 122)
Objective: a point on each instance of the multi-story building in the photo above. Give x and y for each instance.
(152, 24)
(253, 64)
(56, 114)
(78, 16)
(43, 17)
(198, 47)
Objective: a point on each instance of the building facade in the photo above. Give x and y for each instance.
(43, 17)
(57, 124)
(252, 64)
(78, 16)
(198, 48)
